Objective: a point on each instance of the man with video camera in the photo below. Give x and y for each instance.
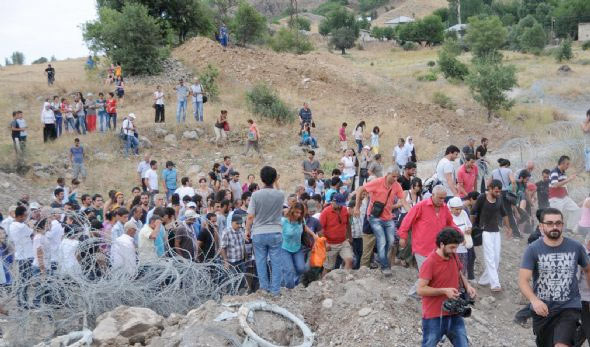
(446, 293)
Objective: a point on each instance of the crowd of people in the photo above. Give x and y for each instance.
(368, 211)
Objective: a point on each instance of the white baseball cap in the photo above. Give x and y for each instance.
(455, 202)
(191, 204)
(132, 115)
(190, 214)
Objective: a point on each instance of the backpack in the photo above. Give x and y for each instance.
(430, 183)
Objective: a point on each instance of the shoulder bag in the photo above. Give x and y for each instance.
(379, 207)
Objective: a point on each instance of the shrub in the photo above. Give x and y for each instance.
(409, 46)
(443, 101)
(586, 45)
(488, 82)
(264, 102)
(288, 40)
(431, 63)
(485, 36)
(208, 79)
(248, 25)
(41, 60)
(564, 52)
(533, 39)
(300, 23)
(430, 76)
(451, 67)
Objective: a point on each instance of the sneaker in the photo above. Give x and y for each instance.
(387, 272)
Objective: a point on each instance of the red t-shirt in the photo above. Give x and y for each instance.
(333, 226)
(378, 192)
(467, 179)
(441, 273)
(342, 134)
(112, 105)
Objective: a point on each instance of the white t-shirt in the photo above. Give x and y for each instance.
(123, 255)
(146, 248)
(143, 167)
(20, 235)
(349, 169)
(197, 91)
(443, 167)
(68, 264)
(358, 133)
(128, 127)
(401, 155)
(462, 222)
(159, 96)
(54, 236)
(152, 177)
(184, 191)
(40, 241)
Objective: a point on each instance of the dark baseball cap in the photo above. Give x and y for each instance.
(339, 199)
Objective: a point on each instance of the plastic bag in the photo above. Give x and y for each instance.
(318, 253)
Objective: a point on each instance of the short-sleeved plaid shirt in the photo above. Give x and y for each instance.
(234, 243)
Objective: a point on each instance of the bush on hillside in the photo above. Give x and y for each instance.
(442, 100)
(430, 29)
(288, 40)
(430, 76)
(248, 25)
(533, 39)
(208, 78)
(143, 50)
(299, 23)
(409, 46)
(451, 67)
(564, 52)
(41, 60)
(586, 45)
(264, 102)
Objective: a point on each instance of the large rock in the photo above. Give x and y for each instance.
(128, 325)
(193, 170)
(144, 142)
(171, 139)
(190, 135)
(160, 132)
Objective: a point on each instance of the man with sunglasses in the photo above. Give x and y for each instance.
(552, 263)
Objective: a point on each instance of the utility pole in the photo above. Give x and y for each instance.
(459, 11)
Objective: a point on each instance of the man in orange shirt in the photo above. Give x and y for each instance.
(334, 221)
(467, 176)
(382, 193)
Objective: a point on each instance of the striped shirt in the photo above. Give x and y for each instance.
(556, 177)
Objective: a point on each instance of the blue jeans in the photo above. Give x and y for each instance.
(25, 269)
(112, 117)
(58, 124)
(310, 141)
(294, 267)
(131, 142)
(453, 327)
(359, 143)
(103, 120)
(587, 157)
(181, 111)
(70, 124)
(198, 107)
(384, 236)
(269, 246)
(81, 125)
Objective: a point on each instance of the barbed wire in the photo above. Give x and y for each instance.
(43, 306)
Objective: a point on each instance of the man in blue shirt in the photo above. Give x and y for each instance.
(169, 178)
(181, 98)
(77, 160)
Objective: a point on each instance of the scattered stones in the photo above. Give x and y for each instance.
(460, 112)
(190, 135)
(564, 68)
(144, 142)
(160, 132)
(488, 300)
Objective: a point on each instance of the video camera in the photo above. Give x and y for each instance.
(459, 306)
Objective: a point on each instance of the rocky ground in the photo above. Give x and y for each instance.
(357, 308)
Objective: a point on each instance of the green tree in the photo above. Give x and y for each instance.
(469, 8)
(339, 18)
(41, 60)
(533, 39)
(131, 37)
(431, 29)
(288, 40)
(488, 82)
(343, 38)
(248, 25)
(568, 14)
(485, 36)
(389, 33)
(448, 63)
(443, 13)
(378, 33)
(184, 17)
(18, 58)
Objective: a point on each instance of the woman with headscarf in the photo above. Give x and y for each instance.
(48, 120)
(411, 149)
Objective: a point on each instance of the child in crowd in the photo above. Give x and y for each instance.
(306, 138)
(375, 134)
(342, 137)
(462, 221)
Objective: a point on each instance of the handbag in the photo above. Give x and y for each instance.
(364, 172)
(508, 195)
(367, 226)
(205, 98)
(379, 207)
(313, 124)
(225, 126)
